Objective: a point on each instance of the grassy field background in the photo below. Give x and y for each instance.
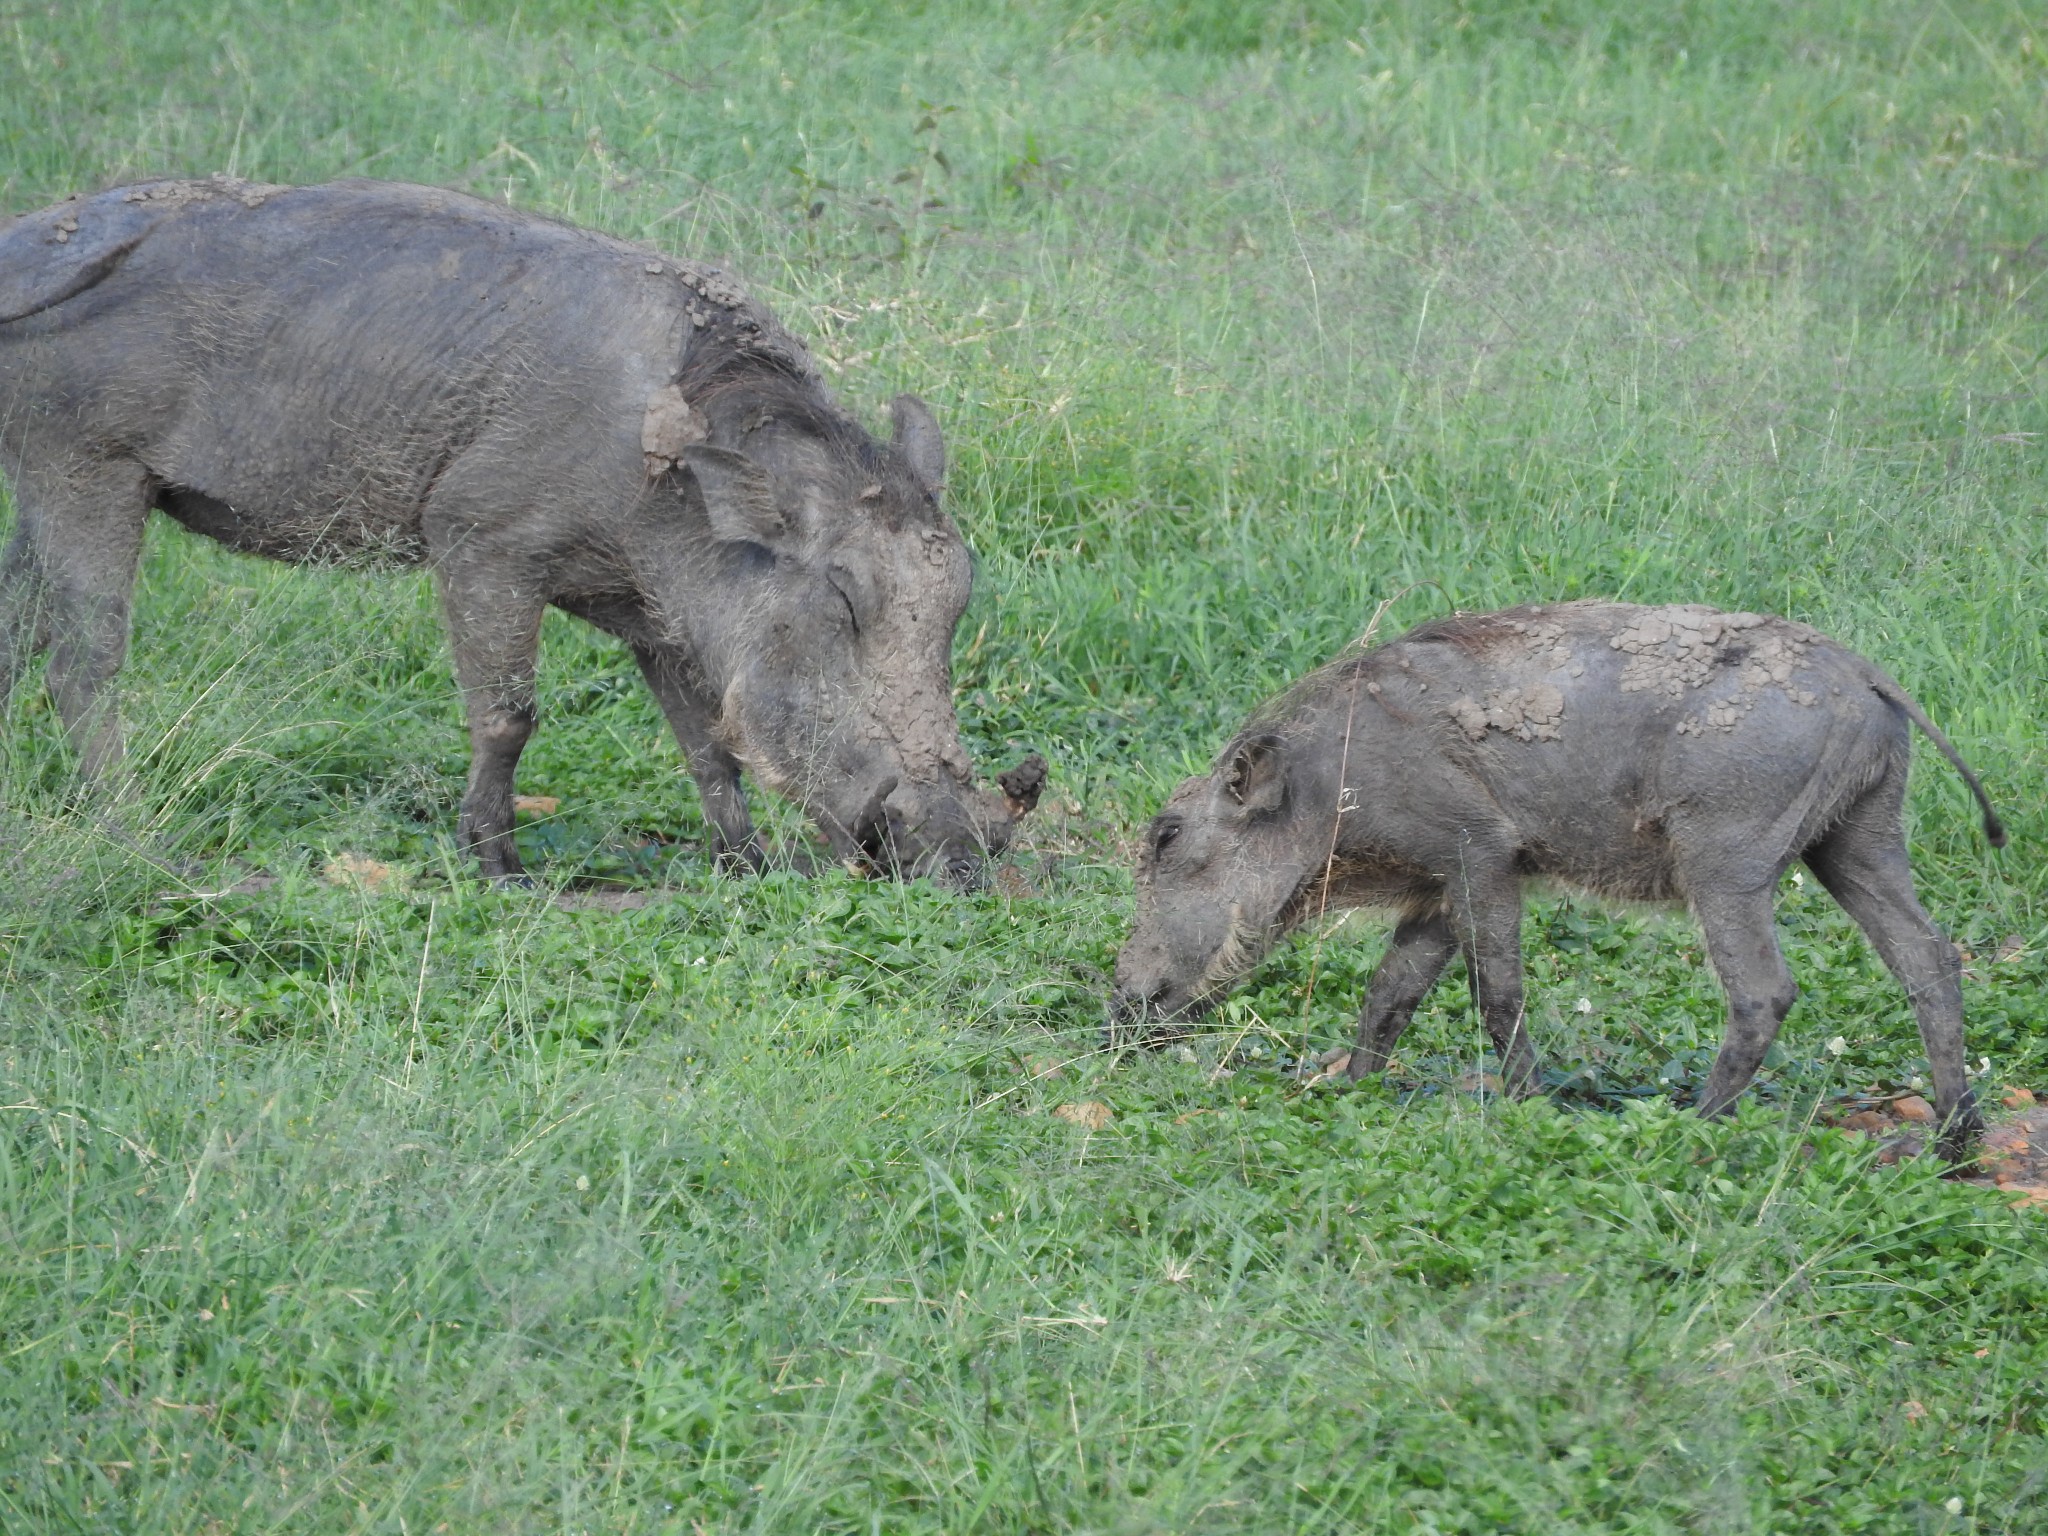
(392, 1203)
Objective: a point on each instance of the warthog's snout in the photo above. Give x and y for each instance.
(1147, 1016)
(946, 834)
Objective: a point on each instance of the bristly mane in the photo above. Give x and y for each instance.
(769, 377)
(1470, 632)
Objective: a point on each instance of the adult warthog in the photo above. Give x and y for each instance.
(1649, 754)
(371, 373)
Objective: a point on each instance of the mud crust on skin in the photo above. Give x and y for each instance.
(1533, 712)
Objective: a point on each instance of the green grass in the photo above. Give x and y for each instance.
(438, 1208)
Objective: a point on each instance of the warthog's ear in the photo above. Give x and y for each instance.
(738, 497)
(918, 440)
(1255, 777)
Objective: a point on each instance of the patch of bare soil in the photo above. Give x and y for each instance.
(2013, 1155)
(360, 872)
(604, 899)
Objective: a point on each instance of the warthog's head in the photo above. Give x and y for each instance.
(1219, 880)
(826, 634)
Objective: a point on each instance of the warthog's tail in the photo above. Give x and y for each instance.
(1885, 688)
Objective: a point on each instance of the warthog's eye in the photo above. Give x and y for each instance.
(1164, 832)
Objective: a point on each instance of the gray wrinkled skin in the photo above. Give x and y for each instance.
(370, 373)
(1644, 754)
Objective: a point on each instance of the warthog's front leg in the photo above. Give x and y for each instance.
(716, 770)
(1421, 948)
(68, 578)
(1486, 916)
(24, 624)
(1742, 942)
(495, 632)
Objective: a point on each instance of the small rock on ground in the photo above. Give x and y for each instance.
(1089, 1114)
(1912, 1107)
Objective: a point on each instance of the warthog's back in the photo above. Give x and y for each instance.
(1600, 730)
(298, 366)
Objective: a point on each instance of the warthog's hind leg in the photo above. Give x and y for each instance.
(1862, 861)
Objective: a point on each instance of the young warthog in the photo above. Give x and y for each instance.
(1647, 754)
(373, 373)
